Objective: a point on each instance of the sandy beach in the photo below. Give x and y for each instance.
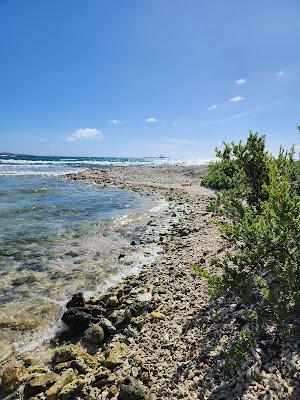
(157, 335)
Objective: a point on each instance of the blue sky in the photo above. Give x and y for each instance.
(147, 77)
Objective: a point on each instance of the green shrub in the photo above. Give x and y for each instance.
(263, 221)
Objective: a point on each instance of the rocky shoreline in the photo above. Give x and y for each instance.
(156, 335)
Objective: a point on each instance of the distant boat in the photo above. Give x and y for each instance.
(162, 156)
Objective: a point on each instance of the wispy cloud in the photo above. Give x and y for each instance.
(179, 141)
(116, 121)
(151, 119)
(213, 107)
(164, 146)
(85, 133)
(241, 81)
(236, 99)
(281, 74)
(241, 115)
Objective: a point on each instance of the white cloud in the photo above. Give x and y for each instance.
(151, 119)
(236, 99)
(116, 121)
(85, 133)
(241, 81)
(213, 107)
(281, 74)
(240, 115)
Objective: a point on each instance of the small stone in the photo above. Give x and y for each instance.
(144, 297)
(134, 390)
(135, 371)
(13, 376)
(71, 390)
(157, 315)
(108, 327)
(39, 384)
(121, 317)
(94, 335)
(116, 356)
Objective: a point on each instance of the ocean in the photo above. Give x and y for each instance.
(58, 237)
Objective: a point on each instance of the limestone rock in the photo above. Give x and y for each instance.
(157, 315)
(71, 390)
(38, 384)
(116, 356)
(66, 377)
(144, 297)
(132, 389)
(13, 376)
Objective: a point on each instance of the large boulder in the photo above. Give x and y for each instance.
(38, 384)
(77, 319)
(132, 389)
(13, 376)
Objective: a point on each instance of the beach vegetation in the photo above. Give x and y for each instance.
(259, 213)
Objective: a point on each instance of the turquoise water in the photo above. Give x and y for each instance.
(58, 237)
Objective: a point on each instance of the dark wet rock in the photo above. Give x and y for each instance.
(94, 335)
(77, 300)
(77, 319)
(121, 256)
(112, 301)
(133, 389)
(133, 243)
(38, 384)
(22, 279)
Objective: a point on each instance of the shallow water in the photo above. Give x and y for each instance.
(58, 237)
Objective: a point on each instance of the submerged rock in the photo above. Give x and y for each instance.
(39, 384)
(13, 376)
(132, 389)
(5, 350)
